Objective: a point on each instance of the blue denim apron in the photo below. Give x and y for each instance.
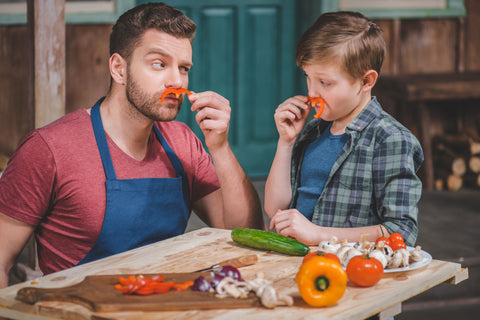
(138, 211)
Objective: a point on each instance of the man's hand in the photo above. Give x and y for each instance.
(213, 117)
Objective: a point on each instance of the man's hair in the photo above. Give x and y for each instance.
(348, 37)
(131, 26)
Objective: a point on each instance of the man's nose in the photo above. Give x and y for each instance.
(173, 78)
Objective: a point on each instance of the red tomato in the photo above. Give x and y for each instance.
(398, 245)
(396, 237)
(364, 271)
(384, 239)
(322, 254)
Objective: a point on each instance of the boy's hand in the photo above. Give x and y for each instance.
(213, 117)
(290, 117)
(291, 223)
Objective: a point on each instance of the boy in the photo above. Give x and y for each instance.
(353, 171)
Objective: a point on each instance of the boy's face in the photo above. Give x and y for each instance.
(158, 62)
(343, 95)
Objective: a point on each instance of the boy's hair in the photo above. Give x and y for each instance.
(131, 26)
(348, 37)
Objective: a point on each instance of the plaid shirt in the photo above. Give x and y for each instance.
(373, 181)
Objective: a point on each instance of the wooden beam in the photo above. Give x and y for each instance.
(46, 24)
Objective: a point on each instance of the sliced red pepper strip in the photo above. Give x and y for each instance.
(162, 287)
(314, 102)
(177, 92)
(119, 287)
(123, 281)
(183, 286)
(145, 290)
(158, 278)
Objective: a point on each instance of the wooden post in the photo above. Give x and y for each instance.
(46, 25)
(46, 75)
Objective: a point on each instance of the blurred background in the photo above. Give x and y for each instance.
(56, 61)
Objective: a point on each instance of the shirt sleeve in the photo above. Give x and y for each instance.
(27, 183)
(396, 185)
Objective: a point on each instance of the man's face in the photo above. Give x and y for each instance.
(159, 61)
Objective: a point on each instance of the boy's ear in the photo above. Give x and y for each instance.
(369, 79)
(118, 69)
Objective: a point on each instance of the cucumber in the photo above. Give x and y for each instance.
(265, 240)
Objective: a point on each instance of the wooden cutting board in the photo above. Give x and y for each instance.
(98, 294)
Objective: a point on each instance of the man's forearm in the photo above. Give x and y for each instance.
(3, 278)
(241, 203)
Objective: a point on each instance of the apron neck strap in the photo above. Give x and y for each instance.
(177, 164)
(101, 139)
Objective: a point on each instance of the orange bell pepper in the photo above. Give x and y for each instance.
(175, 91)
(321, 281)
(314, 102)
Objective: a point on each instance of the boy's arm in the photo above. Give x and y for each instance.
(278, 189)
(397, 186)
(290, 118)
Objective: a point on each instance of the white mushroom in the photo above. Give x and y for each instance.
(328, 246)
(353, 252)
(267, 294)
(230, 287)
(344, 247)
(379, 254)
(364, 245)
(399, 259)
(269, 298)
(416, 254)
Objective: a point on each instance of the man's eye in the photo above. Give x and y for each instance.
(185, 69)
(324, 83)
(158, 64)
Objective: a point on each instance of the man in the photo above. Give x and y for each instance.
(122, 174)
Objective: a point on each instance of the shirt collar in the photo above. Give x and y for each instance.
(367, 115)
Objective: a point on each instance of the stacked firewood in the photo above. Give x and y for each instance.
(456, 162)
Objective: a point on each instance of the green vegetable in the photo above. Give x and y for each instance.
(265, 240)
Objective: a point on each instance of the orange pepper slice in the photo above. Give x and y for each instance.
(175, 91)
(314, 102)
(183, 286)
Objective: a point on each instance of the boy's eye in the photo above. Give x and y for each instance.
(185, 69)
(324, 83)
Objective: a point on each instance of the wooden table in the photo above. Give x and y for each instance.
(204, 247)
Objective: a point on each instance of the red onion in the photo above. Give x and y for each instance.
(216, 278)
(201, 284)
(229, 271)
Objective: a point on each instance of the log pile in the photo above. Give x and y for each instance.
(456, 162)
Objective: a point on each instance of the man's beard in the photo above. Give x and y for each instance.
(150, 105)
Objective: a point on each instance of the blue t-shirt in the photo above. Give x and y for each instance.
(317, 163)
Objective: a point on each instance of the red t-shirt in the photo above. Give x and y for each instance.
(56, 182)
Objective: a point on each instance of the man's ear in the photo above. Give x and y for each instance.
(369, 79)
(118, 69)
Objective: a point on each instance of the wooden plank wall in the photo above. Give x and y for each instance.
(424, 46)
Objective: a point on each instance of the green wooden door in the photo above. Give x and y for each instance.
(245, 51)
